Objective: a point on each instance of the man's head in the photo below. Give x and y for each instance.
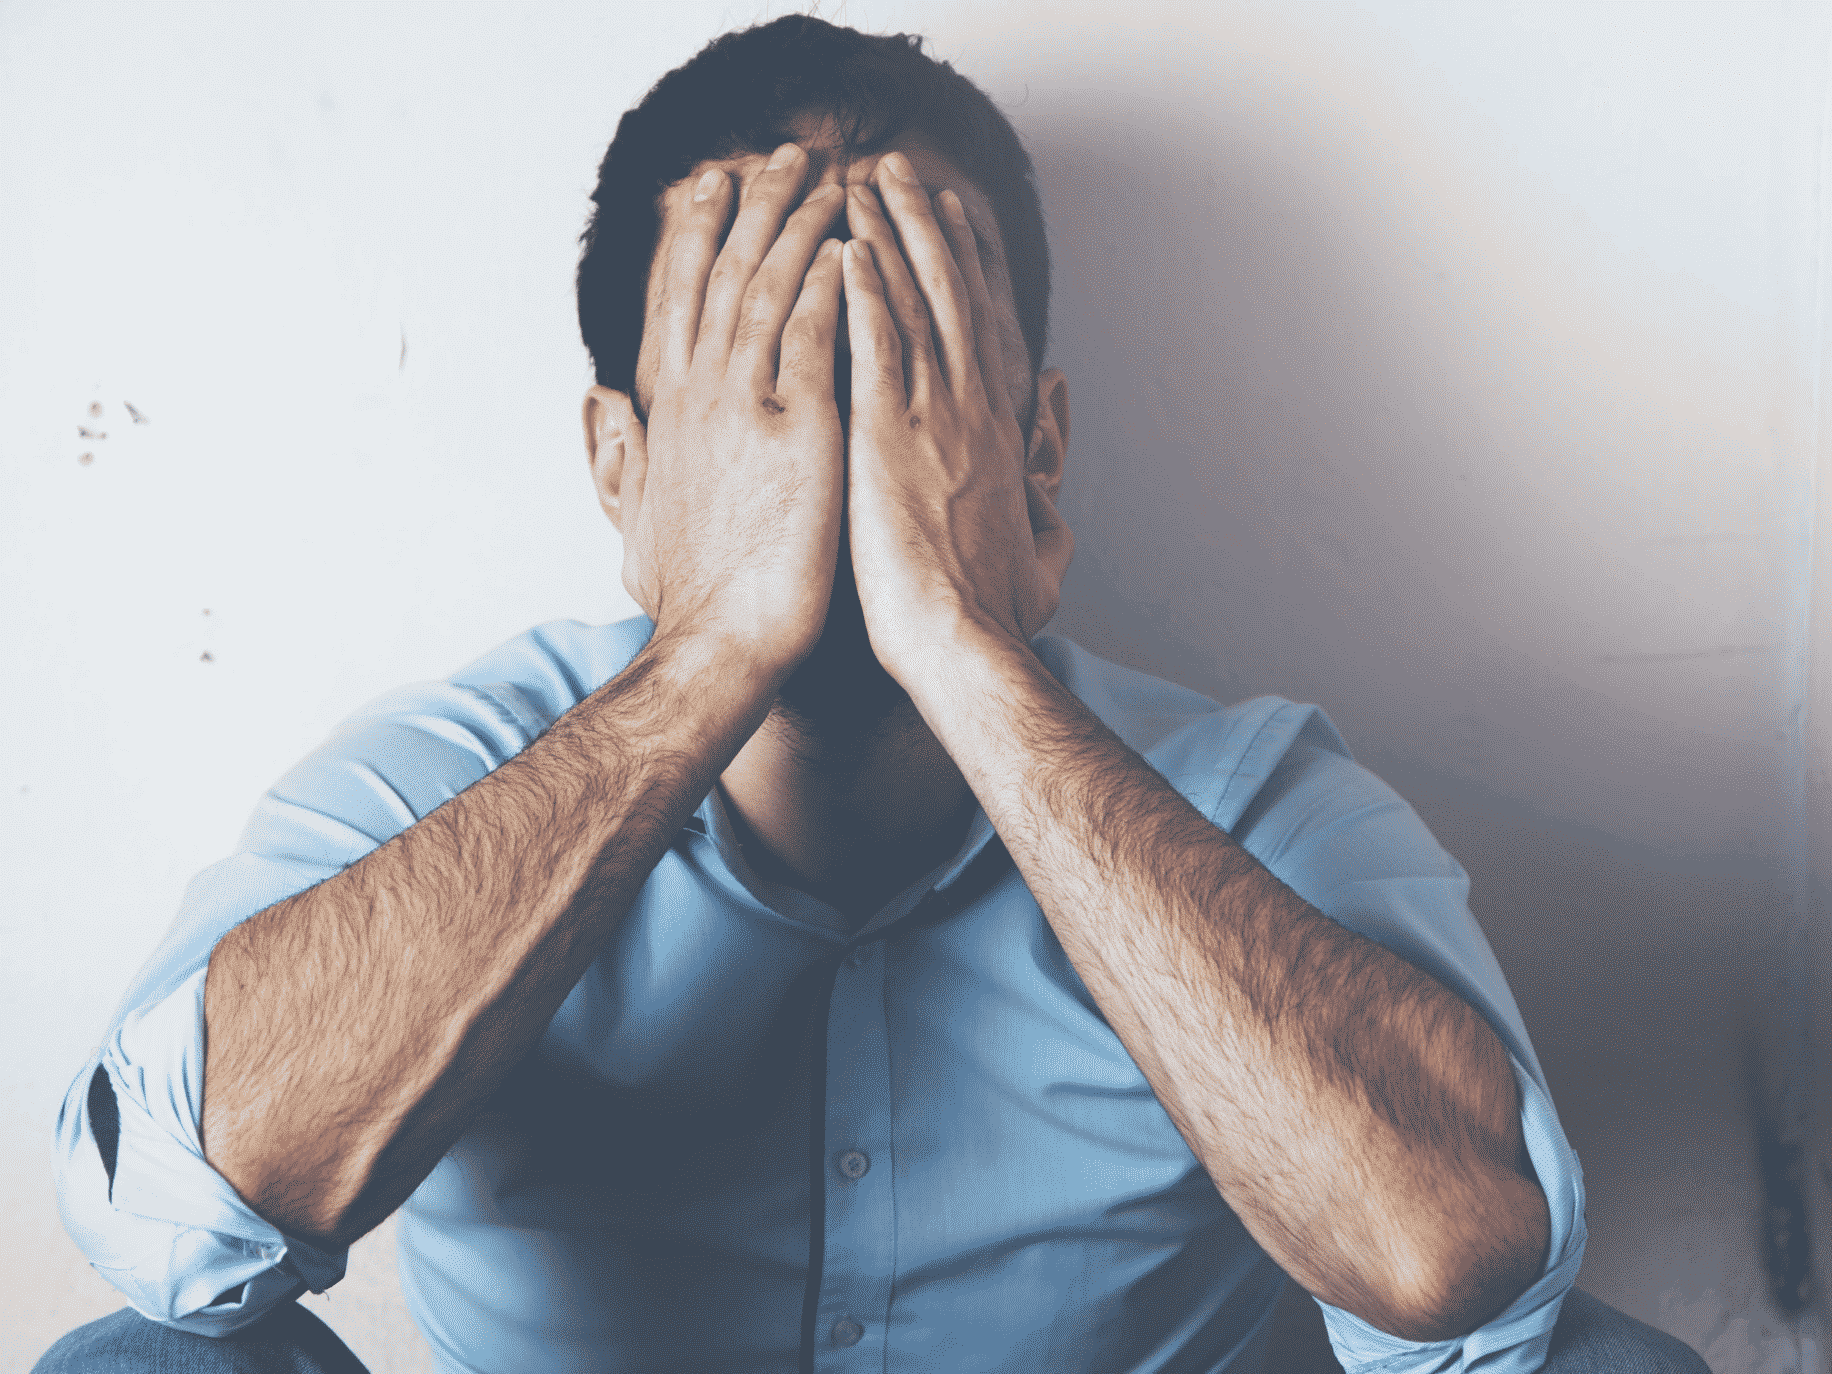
(846, 96)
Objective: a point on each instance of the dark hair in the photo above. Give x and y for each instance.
(740, 93)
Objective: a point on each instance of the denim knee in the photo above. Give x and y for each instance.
(1594, 1338)
(288, 1340)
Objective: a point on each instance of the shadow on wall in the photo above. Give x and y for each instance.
(1279, 483)
(1377, 444)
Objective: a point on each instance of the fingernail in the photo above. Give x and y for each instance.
(708, 183)
(782, 157)
(951, 207)
(899, 166)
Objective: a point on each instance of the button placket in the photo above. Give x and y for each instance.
(857, 1259)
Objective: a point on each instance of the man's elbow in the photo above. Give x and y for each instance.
(1473, 1282)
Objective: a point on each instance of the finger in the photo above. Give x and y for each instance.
(779, 284)
(986, 341)
(872, 334)
(688, 252)
(932, 265)
(766, 202)
(909, 312)
(808, 337)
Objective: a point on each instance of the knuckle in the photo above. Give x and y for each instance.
(752, 332)
(808, 325)
(755, 324)
(729, 268)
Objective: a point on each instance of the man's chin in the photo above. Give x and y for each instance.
(840, 697)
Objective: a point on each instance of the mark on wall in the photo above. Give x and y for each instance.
(87, 457)
(1786, 1248)
(95, 436)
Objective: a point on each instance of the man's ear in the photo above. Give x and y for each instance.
(1048, 449)
(616, 447)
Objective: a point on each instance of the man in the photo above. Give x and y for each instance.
(825, 970)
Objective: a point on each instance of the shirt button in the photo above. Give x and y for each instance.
(857, 957)
(853, 1164)
(846, 1332)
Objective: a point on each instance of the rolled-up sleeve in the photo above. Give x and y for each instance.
(133, 1186)
(135, 1190)
(161, 1225)
(1349, 845)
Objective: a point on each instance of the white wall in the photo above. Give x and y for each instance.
(1458, 368)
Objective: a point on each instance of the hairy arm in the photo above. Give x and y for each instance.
(1361, 1118)
(354, 1030)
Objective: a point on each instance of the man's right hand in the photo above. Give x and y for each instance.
(355, 1029)
(729, 500)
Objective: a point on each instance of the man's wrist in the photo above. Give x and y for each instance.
(962, 664)
(740, 661)
(720, 684)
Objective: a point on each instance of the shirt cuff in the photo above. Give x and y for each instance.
(172, 1234)
(1515, 1340)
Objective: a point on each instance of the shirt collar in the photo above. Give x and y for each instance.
(713, 823)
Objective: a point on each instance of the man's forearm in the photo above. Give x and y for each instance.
(1361, 1119)
(353, 1030)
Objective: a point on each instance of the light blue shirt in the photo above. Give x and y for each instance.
(754, 1139)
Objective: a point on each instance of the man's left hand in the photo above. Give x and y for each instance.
(950, 533)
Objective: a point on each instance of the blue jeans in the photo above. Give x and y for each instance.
(1591, 1338)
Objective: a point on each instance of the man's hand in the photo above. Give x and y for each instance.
(355, 1029)
(947, 528)
(730, 501)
